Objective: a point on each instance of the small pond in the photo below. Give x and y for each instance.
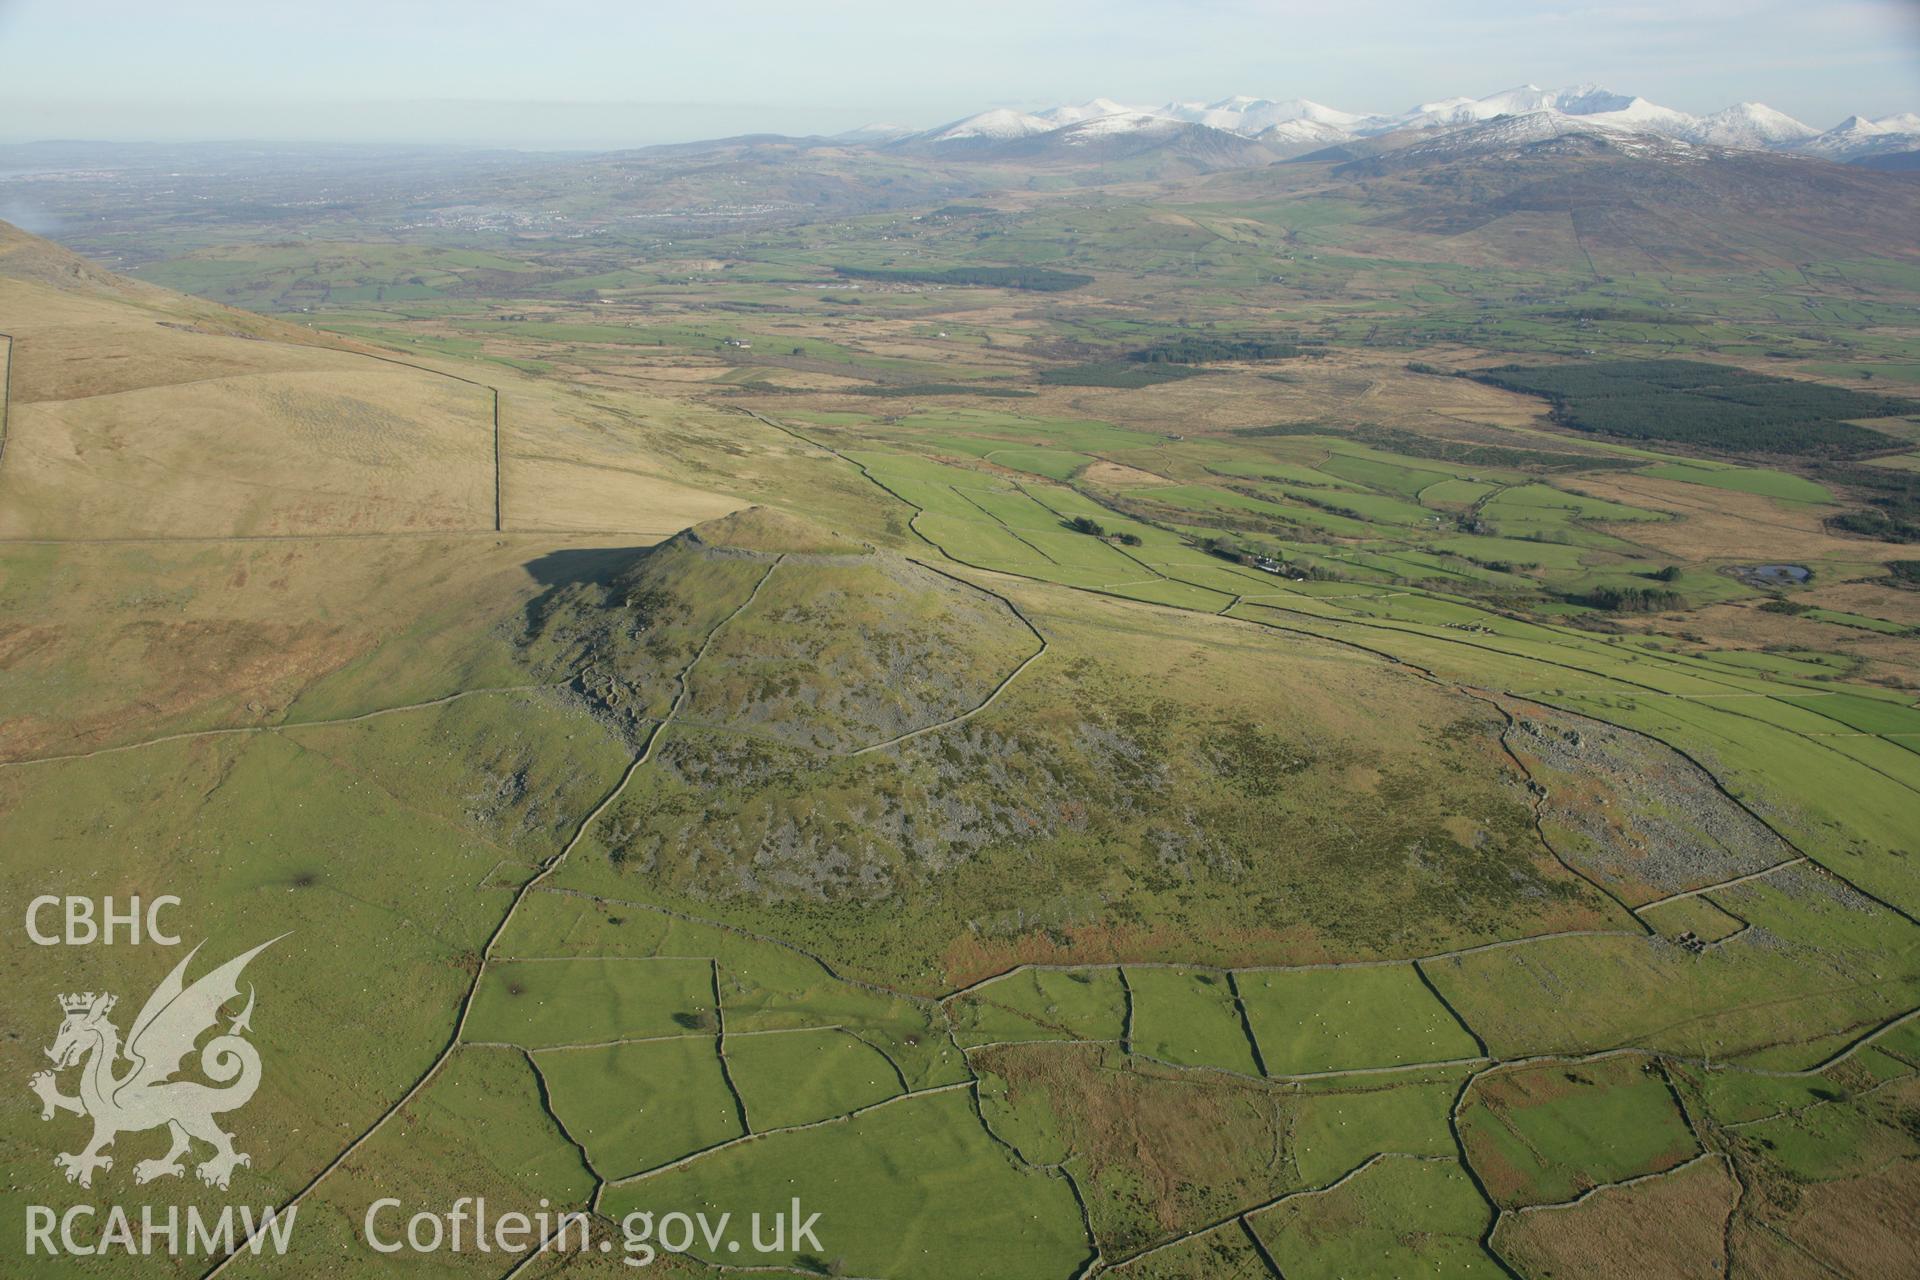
(1774, 575)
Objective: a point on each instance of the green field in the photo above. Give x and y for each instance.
(635, 1106)
(1326, 1020)
(541, 1003)
(1189, 1018)
(1545, 1135)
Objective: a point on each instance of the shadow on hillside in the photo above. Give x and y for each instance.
(563, 573)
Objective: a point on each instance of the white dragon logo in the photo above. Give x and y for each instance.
(146, 1096)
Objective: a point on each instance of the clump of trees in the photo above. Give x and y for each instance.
(1093, 528)
(1876, 524)
(1225, 548)
(1633, 599)
(1891, 495)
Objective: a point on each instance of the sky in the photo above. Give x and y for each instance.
(600, 74)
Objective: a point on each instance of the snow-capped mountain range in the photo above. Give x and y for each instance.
(1296, 124)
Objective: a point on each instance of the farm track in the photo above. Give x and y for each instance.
(1307, 967)
(1482, 1066)
(1761, 874)
(1617, 1184)
(542, 882)
(1713, 777)
(1011, 531)
(1487, 1063)
(1639, 690)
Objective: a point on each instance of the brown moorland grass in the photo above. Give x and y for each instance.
(1720, 524)
(1862, 1225)
(104, 644)
(1161, 1151)
(361, 449)
(1667, 1227)
(1116, 475)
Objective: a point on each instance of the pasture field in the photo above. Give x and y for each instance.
(1544, 1135)
(524, 1162)
(788, 1079)
(1044, 1004)
(1345, 1122)
(543, 1003)
(1395, 1216)
(1190, 1018)
(637, 1105)
(1223, 1255)
(1327, 1019)
(1014, 1223)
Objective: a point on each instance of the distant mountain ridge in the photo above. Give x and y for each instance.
(1296, 125)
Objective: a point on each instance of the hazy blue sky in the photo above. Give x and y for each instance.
(620, 74)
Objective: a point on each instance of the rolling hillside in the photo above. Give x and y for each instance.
(816, 709)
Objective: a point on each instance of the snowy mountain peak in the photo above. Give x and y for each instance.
(1307, 109)
(1858, 124)
(1300, 124)
(1753, 124)
(1510, 133)
(1511, 102)
(1090, 110)
(1108, 126)
(1857, 137)
(1317, 133)
(1000, 123)
(1591, 99)
(1251, 116)
(1584, 100)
